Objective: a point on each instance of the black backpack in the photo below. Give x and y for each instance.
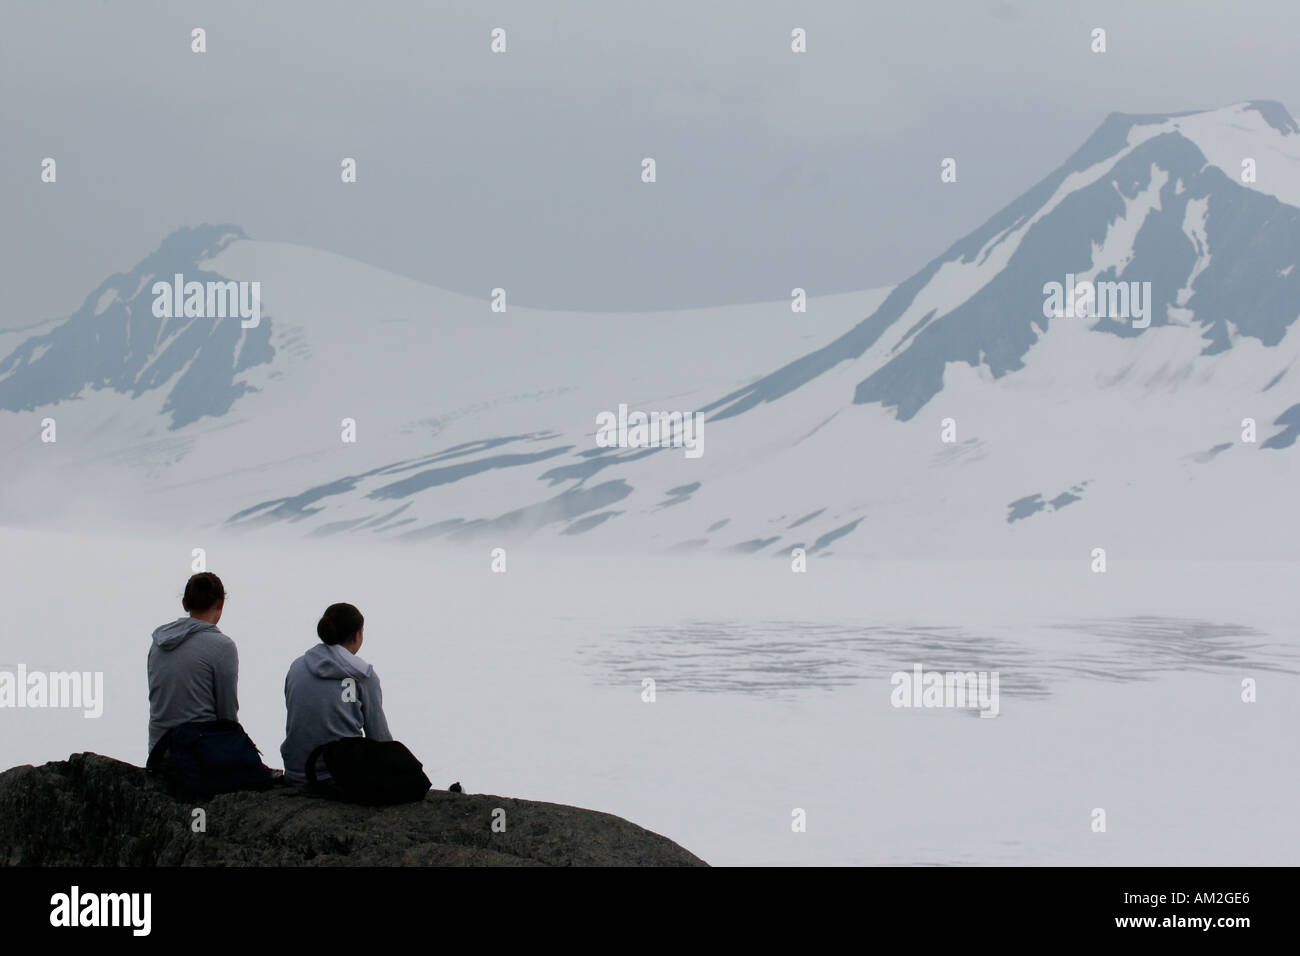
(202, 759)
(375, 773)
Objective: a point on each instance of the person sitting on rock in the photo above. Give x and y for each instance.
(193, 667)
(331, 693)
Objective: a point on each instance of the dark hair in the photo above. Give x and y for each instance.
(202, 591)
(339, 623)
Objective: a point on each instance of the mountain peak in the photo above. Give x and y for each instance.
(1162, 200)
(116, 341)
(1207, 129)
(1271, 111)
(195, 243)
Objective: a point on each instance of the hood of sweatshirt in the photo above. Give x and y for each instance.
(173, 635)
(333, 662)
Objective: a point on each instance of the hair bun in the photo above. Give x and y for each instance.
(339, 623)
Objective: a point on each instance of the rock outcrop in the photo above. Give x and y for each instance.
(91, 810)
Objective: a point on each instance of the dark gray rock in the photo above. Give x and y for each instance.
(91, 810)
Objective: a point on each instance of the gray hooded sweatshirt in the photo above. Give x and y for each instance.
(193, 676)
(329, 693)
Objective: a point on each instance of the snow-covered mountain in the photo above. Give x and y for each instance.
(115, 341)
(824, 430)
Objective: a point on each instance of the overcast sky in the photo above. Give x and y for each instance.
(522, 170)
